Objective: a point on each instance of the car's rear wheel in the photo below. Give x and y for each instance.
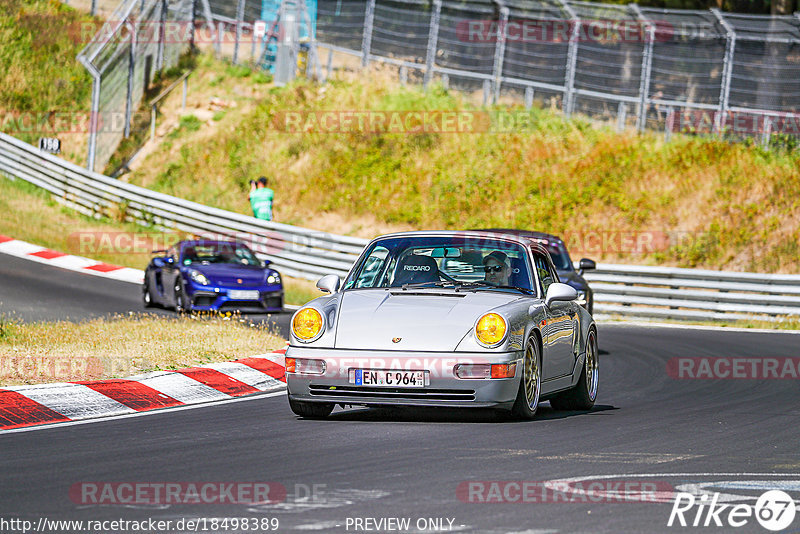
(583, 395)
(530, 385)
(311, 410)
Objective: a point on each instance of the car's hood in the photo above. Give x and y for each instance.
(231, 274)
(419, 320)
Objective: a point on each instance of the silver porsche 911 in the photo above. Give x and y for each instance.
(459, 319)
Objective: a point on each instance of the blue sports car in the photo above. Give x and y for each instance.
(204, 275)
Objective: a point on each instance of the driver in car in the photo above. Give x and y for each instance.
(497, 267)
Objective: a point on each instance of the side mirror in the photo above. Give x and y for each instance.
(169, 260)
(587, 265)
(266, 262)
(329, 283)
(560, 292)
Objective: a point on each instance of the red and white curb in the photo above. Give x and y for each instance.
(28, 251)
(24, 406)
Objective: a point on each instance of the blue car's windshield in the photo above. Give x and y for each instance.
(446, 260)
(227, 253)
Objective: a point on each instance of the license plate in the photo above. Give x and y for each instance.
(373, 377)
(243, 294)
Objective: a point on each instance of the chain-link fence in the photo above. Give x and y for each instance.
(140, 38)
(703, 72)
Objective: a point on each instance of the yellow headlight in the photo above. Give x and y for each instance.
(307, 324)
(491, 329)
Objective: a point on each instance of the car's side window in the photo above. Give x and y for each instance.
(543, 272)
(374, 265)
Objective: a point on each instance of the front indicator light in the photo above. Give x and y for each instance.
(490, 329)
(199, 277)
(472, 370)
(504, 370)
(307, 324)
(305, 366)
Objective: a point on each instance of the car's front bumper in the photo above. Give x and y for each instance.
(442, 389)
(217, 298)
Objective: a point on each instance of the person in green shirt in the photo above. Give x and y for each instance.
(261, 199)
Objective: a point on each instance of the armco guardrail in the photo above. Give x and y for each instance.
(675, 293)
(619, 289)
(295, 251)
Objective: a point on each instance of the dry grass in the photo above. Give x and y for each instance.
(720, 205)
(32, 353)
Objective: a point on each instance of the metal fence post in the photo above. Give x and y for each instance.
(528, 97)
(131, 69)
(669, 124)
(161, 35)
(767, 135)
(572, 59)
(239, 22)
(727, 70)
(647, 64)
(366, 42)
(94, 118)
(499, 50)
(622, 116)
(433, 42)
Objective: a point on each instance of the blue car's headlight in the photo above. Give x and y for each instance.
(198, 277)
(274, 278)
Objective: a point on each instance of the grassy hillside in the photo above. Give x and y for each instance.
(39, 42)
(702, 202)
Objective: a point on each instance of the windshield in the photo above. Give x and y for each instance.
(441, 261)
(225, 253)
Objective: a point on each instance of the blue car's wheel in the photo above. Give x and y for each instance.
(182, 304)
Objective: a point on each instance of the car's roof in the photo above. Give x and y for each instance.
(207, 242)
(523, 233)
(459, 233)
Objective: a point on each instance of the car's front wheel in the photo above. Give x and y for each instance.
(311, 410)
(530, 385)
(582, 396)
(182, 304)
(147, 298)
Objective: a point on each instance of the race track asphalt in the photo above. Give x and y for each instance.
(648, 429)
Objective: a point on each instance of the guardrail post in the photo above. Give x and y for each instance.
(433, 42)
(647, 63)
(366, 42)
(487, 90)
(152, 122)
(622, 116)
(727, 70)
(499, 50)
(767, 135)
(528, 97)
(403, 75)
(239, 22)
(572, 59)
(94, 120)
(668, 124)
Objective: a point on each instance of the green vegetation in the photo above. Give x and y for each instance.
(40, 41)
(703, 202)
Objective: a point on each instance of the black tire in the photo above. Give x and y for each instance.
(147, 297)
(311, 410)
(530, 384)
(583, 395)
(182, 306)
